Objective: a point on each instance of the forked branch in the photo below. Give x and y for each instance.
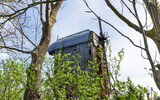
(91, 11)
(128, 22)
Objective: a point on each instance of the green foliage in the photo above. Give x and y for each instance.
(123, 89)
(129, 91)
(64, 79)
(12, 79)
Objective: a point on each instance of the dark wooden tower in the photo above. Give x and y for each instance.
(85, 43)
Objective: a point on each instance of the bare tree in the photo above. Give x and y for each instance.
(152, 8)
(19, 34)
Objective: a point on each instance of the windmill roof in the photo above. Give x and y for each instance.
(71, 40)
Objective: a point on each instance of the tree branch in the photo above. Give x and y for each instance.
(155, 74)
(2, 39)
(142, 52)
(112, 26)
(47, 14)
(21, 31)
(123, 35)
(41, 12)
(23, 10)
(28, 52)
(129, 23)
(54, 10)
(144, 38)
(128, 8)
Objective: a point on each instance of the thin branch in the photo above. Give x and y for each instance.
(129, 23)
(112, 26)
(21, 31)
(145, 10)
(23, 10)
(130, 1)
(155, 56)
(2, 39)
(114, 86)
(91, 11)
(28, 52)
(29, 6)
(8, 6)
(122, 7)
(7, 34)
(100, 28)
(11, 17)
(128, 8)
(142, 53)
(157, 81)
(123, 35)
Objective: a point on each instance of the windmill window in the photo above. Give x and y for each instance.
(74, 51)
(89, 51)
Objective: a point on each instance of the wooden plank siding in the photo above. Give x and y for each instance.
(84, 50)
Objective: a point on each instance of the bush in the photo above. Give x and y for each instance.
(64, 79)
(12, 79)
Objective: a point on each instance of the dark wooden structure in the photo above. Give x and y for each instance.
(85, 43)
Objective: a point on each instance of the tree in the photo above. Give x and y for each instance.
(15, 29)
(152, 8)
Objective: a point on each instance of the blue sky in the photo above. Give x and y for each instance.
(72, 18)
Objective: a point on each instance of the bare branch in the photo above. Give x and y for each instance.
(23, 10)
(2, 39)
(157, 81)
(155, 56)
(21, 31)
(8, 6)
(112, 26)
(91, 11)
(41, 12)
(129, 23)
(142, 53)
(123, 35)
(145, 10)
(28, 52)
(128, 8)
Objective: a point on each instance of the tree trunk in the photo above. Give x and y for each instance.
(34, 72)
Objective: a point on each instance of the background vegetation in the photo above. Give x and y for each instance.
(60, 80)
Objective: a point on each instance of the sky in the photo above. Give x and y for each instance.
(72, 18)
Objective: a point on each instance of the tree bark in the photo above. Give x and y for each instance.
(32, 93)
(34, 72)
